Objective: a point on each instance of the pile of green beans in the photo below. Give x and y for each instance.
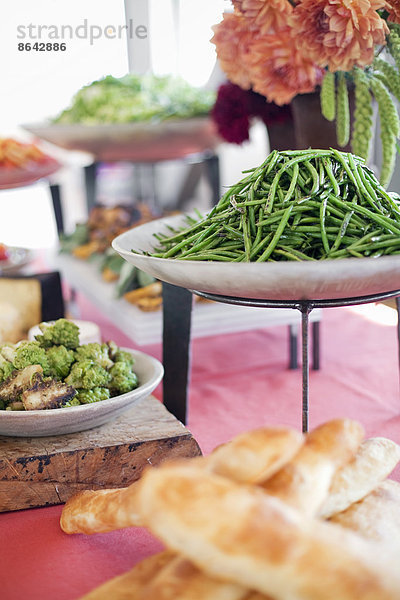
(298, 205)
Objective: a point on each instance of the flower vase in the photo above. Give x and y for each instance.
(311, 129)
(281, 135)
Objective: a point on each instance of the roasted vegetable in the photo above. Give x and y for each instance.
(30, 353)
(97, 394)
(12, 388)
(46, 393)
(87, 374)
(46, 373)
(59, 360)
(98, 353)
(61, 332)
(118, 355)
(6, 368)
(123, 379)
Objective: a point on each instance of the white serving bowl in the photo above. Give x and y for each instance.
(283, 280)
(88, 331)
(59, 421)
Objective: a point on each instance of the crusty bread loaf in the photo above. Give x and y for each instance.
(254, 456)
(374, 461)
(249, 456)
(128, 585)
(304, 481)
(180, 579)
(100, 511)
(250, 538)
(377, 516)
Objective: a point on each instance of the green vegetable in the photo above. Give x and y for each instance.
(59, 360)
(136, 98)
(96, 394)
(87, 374)
(297, 205)
(73, 402)
(327, 96)
(61, 332)
(118, 355)
(123, 379)
(80, 236)
(6, 368)
(30, 353)
(95, 371)
(343, 111)
(96, 352)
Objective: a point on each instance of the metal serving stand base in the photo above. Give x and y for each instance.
(174, 296)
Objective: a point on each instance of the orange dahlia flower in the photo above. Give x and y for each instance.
(232, 37)
(393, 8)
(278, 71)
(266, 15)
(338, 34)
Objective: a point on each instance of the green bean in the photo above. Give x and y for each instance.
(293, 183)
(246, 236)
(324, 237)
(327, 164)
(268, 251)
(314, 175)
(297, 205)
(342, 231)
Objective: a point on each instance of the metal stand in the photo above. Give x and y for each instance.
(305, 307)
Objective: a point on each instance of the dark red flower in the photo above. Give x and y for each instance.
(234, 108)
(231, 113)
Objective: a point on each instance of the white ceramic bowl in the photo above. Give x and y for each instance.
(88, 331)
(58, 421)
(286, 280)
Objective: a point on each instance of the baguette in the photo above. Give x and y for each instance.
(180, 579)
(304, 482)
(245, 536)
(375, 460)
(255, 455)
(377, 516)
(128, 585)
(252, 454)
(100, 511)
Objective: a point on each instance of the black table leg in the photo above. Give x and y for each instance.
(177, 316)
(213, 175)
(305, 313)
(293, 361)
(315, 328)
(57, 207)
(90, 184)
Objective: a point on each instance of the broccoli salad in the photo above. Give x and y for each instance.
(55, 371)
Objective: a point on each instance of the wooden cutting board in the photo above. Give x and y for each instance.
(48, 470)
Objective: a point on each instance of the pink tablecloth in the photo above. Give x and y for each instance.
(239, 381)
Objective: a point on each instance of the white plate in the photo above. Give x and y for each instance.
(17, 259)
(319, 280)
(58, 421)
